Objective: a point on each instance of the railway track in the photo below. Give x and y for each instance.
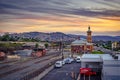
(7, 64)
(12, 71)
(36, 62)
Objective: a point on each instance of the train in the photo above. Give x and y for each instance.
(2, 55)
(38, 52)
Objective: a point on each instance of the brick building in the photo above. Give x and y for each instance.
(83, 45)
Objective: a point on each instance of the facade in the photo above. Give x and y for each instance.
(83, 45)
(115, 46)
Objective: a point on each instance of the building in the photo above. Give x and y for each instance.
(107, 65)
(115, 45)
(83, 45)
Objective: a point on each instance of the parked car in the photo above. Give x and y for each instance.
(68, 60)
(78, 59)
(58, 64)
(72, 59)
(63, 62)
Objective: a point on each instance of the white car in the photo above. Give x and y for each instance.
(68, 60)
(71, 59)
(78, 59)
(63, 62)
(59, 64)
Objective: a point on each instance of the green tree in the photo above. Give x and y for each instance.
(46, 45)
(36, 45)
(5, 37)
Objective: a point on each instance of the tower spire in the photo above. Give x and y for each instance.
(89, 28)
(89, 35)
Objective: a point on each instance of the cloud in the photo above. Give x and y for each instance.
(111, 33)
(24, 8)
(61, 13)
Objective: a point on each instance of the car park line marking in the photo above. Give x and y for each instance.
(79, 77)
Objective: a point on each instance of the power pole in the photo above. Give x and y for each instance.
(62, 47)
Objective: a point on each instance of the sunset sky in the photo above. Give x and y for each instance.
(68, 16)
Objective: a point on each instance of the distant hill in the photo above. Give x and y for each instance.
(106, 38)
(58, 36)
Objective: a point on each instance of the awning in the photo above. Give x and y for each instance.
(84, 70)
(87, 71)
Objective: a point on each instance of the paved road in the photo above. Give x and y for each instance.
(107, 51)
(63, 73)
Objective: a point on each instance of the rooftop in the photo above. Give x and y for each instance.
(99, 57)
(81, 42)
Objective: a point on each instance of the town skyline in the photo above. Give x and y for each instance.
(67, 16)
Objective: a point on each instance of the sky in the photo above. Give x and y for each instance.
(67, 16)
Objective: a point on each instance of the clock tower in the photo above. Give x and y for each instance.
(89, 35)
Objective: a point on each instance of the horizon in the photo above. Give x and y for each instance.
(66, 16)
(57, 32)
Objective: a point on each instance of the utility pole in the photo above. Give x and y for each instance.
(62, 47)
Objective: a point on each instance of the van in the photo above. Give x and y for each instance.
(78, 59)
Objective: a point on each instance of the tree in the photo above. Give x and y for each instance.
(5, 37)
(46, 45)
(36, 45)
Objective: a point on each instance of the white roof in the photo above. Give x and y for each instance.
(81, 42)
(98, 57)
(91, 58)
(107, 57)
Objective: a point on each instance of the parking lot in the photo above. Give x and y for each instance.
(63, 73)
(66, 73)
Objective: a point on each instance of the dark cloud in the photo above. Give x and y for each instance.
(29, 9)
(96, 13)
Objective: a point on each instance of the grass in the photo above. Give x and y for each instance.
(97, 52)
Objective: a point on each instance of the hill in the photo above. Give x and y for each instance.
(58, 36)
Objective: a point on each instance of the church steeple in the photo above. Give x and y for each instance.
(89, 35)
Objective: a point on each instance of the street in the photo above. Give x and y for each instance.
(63, 73)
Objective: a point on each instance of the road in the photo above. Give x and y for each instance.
(18, 70)
(107, 51)
(63, 73)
